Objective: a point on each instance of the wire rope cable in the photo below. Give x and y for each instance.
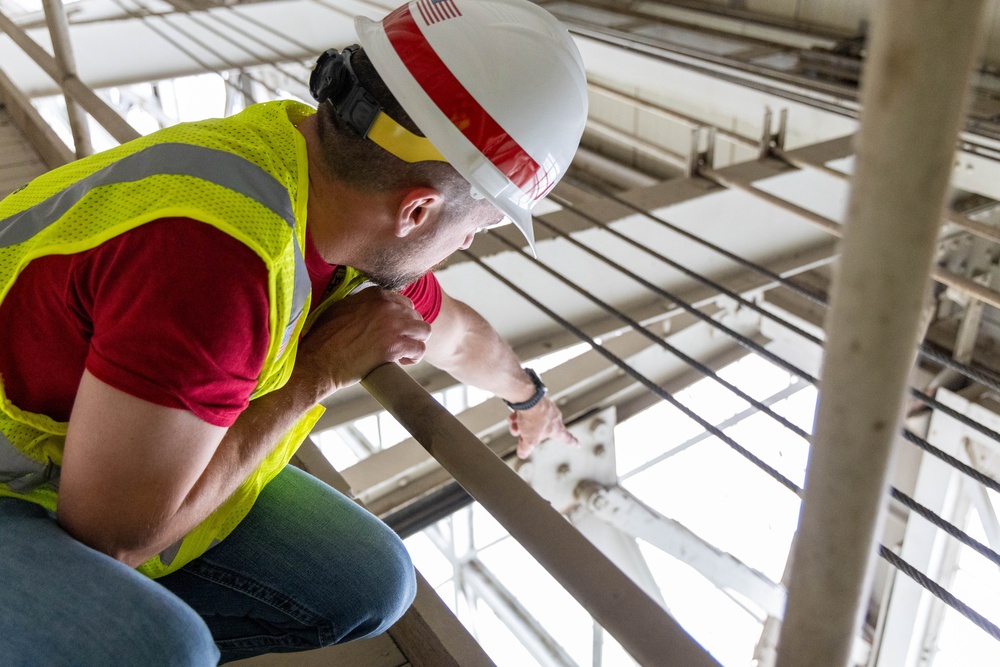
(973, 373)
(657, 340)
(893, 559)
(940, 592)
(683, 269)
(639, 377)
(145, 18)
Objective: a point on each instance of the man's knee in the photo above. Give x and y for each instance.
(158, 629)
(183, 636)
(389, 584)
(400, 573)
(396, 580)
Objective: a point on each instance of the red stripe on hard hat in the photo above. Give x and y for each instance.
(461, 107)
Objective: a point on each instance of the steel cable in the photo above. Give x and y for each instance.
(904, 499)
(649, 335)
(945, 525)
(639, 377)
(742, 261)
(795, 370)
(927, 351)
(240, 45)
(144, 18)
(680, 267)
(939, 591)
(918, 394)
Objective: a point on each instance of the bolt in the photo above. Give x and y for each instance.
(600, 429)
(562, 470)
(599, 450)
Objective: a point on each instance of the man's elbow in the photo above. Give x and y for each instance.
(128, 542)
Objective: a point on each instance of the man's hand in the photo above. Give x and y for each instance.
(357, 334)
(534, 426)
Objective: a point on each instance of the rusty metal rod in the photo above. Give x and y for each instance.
(914, 98)
(640, 625)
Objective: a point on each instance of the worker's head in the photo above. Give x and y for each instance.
(497, 87)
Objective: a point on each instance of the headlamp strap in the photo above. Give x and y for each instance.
(333, 79)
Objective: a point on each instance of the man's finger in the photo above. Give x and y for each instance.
(524, 449)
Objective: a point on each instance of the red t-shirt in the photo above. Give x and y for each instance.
(174, 312)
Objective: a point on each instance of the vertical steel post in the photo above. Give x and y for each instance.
(55, 17)
(913, 102)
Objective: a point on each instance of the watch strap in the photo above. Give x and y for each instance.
(540, 391)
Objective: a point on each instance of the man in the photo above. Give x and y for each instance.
(174, 310)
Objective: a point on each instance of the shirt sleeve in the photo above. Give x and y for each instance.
(425, 293)
(180, 316)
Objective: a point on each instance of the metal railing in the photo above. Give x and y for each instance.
(642, 627)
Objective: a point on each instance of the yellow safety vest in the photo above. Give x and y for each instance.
(245, 175)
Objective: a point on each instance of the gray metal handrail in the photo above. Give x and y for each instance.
(639, 624)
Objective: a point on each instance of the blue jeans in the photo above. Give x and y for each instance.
(306, 568)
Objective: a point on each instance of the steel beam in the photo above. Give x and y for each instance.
(46, 142)
(619, 508)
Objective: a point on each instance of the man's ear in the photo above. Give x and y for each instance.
(418, 207)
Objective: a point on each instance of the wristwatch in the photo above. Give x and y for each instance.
(540, 391)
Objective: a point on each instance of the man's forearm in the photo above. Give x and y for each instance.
(465, 345)
(475, 354)
(247, 442)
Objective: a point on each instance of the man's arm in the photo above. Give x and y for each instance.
(465, 345)
(136, 476)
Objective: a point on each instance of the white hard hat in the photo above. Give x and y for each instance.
(497, 86)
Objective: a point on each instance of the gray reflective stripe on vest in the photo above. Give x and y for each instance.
(168, 555)
(22, 474)
(215, 166)
(300, 294)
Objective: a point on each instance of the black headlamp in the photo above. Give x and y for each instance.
(333, 79)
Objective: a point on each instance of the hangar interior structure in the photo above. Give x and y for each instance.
(678, 309)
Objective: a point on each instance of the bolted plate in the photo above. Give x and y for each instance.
(555, 470)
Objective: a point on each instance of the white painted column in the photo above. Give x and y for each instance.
(913, 98)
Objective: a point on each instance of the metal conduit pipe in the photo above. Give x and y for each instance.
(941, 275)
(917, 78)
(116, 126)
(640, 625)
